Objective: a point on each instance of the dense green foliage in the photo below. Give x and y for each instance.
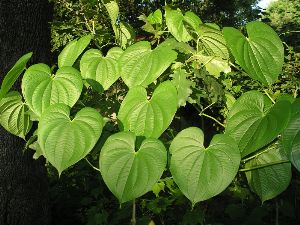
(124, 103)
(76, 18)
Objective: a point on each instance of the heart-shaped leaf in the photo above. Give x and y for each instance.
(269, 181)
(291, 136)
(72, 51)
(40, 89)
(64, 141)
(192, 20)
(104, 70)
(254, 121)
(13, 115)
(149, 118)
(129, 173)
(212, 41)
(200, 172)
(141, 66)
(174, 21)
(261, 55)
(13, 74)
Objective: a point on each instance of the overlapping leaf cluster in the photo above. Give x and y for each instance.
(261, 134)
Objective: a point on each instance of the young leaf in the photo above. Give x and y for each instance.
(113, 11)
(183, 86)
(13, 115)
(40, 89)
(200, 172)
(141, 66)
(104, 70)
(214, 65)
(291, 136)
(268, 182)
(261, 55)
(64, 141)
(155, 17)
(129, 170)
(149, 118)
(254, 122)
(13, 74)
(174, 21)
(125, 34)
(72, 51)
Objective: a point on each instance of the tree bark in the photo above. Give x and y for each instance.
(24, 28)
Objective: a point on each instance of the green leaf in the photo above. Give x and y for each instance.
(64, 141)
(125, 34)
(192, 20)
(268, 182)
(72, 51)
(113, 11)
(291, 136)
(104, 70)
(200, 172)
(149, 118)
(254, 122)
(129, 170)
(212, 41)
(13, 115)
(214, 65)
(261, 55)
(13, 74)
(41, 89)
(183, 85)
(141, 66)
(147, 26)
(174, 21)
(155, 17)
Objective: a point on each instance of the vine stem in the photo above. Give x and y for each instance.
(269, 96)
(254, 156)
(133, 220)
(214, 119)
(91, 165)
(264, 165)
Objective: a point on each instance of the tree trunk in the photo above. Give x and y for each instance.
(24, 28)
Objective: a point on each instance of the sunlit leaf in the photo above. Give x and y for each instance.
(254, 121)
(104, 70)
(261, 54)
(41, 89)
(141, 66)
(64, 141)
(13, 115)
(13, 74)
(175, 24)
(200, 172)
(149, 118)
(130, 169)
(72, 51)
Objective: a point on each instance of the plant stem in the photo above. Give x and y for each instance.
(95, 168)
(254, 156)
(214, 119)
(264, 165)
(133, 220)
(269, 96)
